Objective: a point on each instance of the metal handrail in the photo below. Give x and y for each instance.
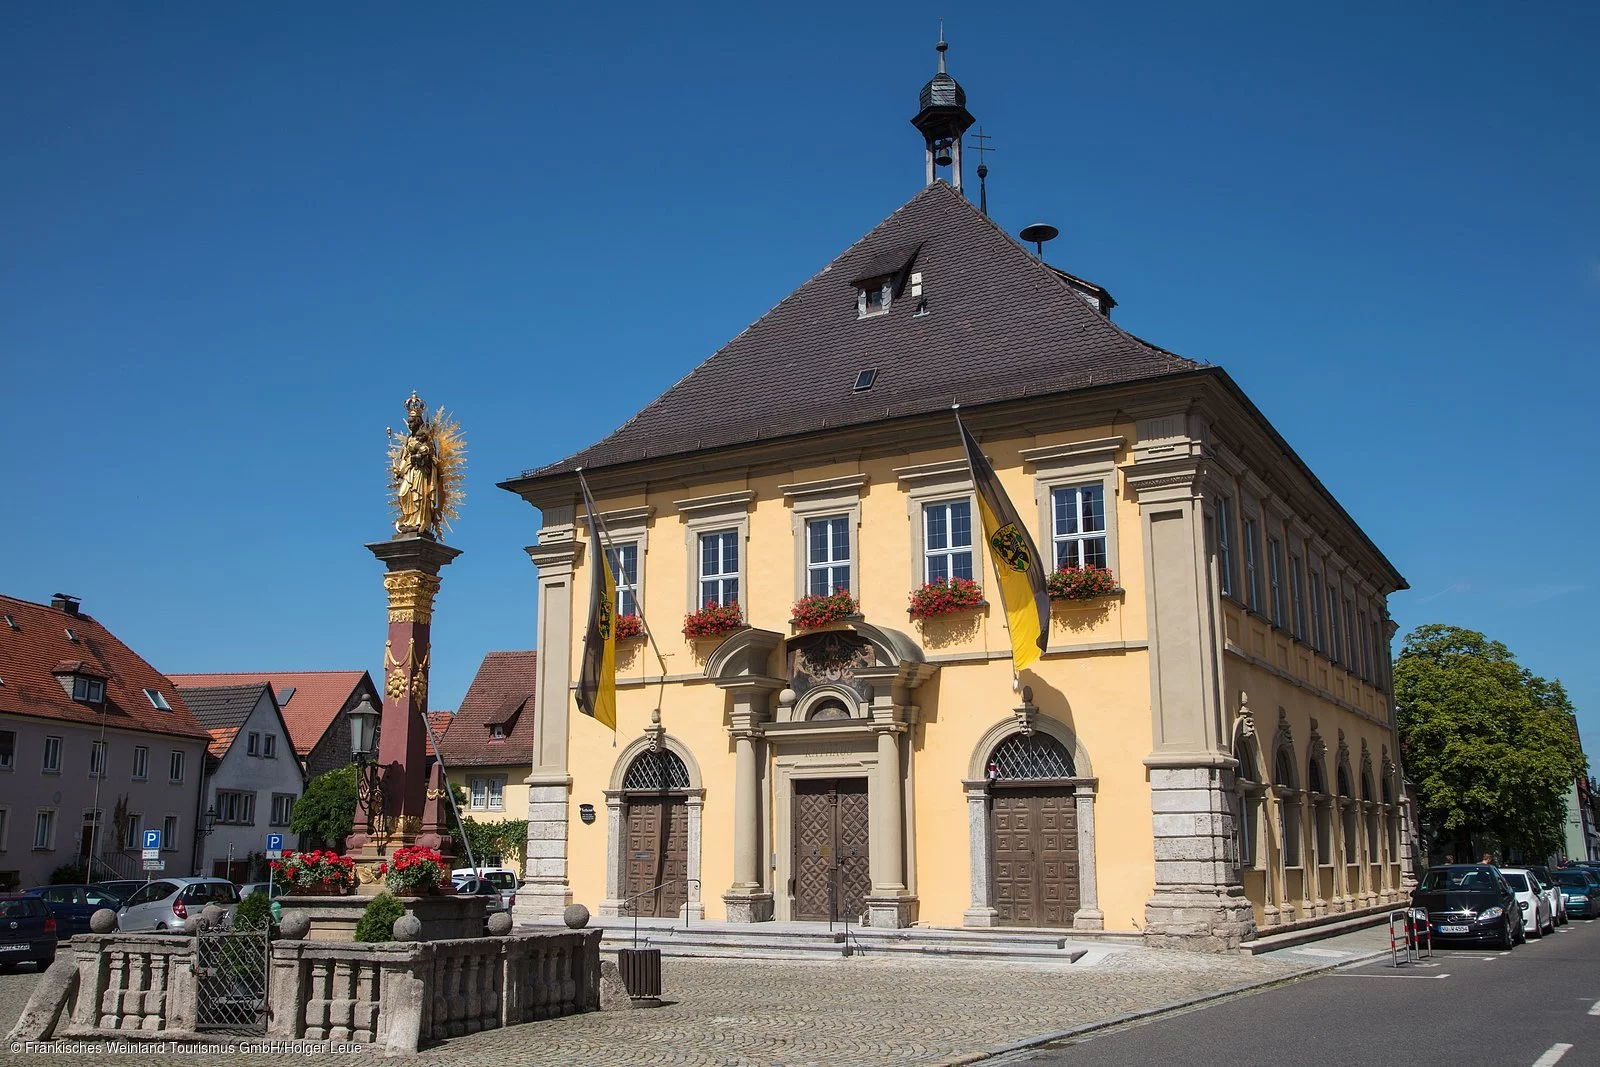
(627, 902)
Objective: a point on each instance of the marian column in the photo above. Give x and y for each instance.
(400, 802)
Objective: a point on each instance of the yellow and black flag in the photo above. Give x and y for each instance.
(597, 678)
(1016, 560)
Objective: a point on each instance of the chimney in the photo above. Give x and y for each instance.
(63, 602)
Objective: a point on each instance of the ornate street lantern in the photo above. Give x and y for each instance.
(363, 730)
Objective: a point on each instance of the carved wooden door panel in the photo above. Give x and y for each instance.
(1034, 849)
(830, 841)
(657, 844)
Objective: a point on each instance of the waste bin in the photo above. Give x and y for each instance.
(641, 971)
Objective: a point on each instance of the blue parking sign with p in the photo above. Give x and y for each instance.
(152, 839)
(274, 842)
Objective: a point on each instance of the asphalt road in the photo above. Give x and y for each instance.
(1536, 1005)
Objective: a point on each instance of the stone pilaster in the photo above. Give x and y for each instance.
(982, 912)
(1197, 904)
(1088, 916)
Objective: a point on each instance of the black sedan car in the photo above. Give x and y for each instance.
(1580, 887)
(73, 904)
(1470, 903)
(27, 932)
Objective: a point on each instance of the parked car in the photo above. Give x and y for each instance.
(504, 879)
(1558, 906)
(1537, 918)
(27, 932)
(123, 888)
(167, 904)
(73, 904)
(278, 892)
(1580, 891)
(472, 885)
(1469, 903)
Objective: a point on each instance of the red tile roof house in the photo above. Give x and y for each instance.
(315, 706)
(488, 751)
(87, 726)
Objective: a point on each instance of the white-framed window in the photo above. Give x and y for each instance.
(1317, 635)
(827, 554)
(97, 759)
(1352, 636)
(625, 566)
(1252, 568)
(1225, 545)
(141, 762)
(88, 690)
(8, 750)
(1297, 597)
(44, 829)
(157, 701)
(497, 794)
(52, 755)
(269, 746)
(282, 808)
(235, 807)
(253, 744)
(1335, 637)
(873, 297)
(169, 834)
(133, 835)
(1366, 646)
(1275, 580)
(1078, 525)
(946, 539)
(719, 567)
(478, 794)
(497, 732)
(175, 766)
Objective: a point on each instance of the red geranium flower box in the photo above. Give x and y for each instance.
(943, 596)
(1080, 583)
(820, 609)
(713, 620)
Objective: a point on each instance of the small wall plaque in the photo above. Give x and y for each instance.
(586, 812)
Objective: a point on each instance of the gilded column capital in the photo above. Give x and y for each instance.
(411, 595)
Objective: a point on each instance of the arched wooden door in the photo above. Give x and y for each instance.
(1033, 827)
(656, 835)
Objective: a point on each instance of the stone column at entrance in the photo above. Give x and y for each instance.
(747, 900)
(888, 904)
(982, 912)
(1088, 916)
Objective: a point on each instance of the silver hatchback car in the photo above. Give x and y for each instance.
(165, 905)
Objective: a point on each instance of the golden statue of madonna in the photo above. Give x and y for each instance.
(426, 467)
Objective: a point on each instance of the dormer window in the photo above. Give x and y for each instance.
(497, 732)
(88, 690)
(873, 297)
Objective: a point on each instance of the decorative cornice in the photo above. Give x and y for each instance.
(630, 518)
(941, 470)
(1100, 452)
(411, 595)
(555, 554)
(825, 486)
(739, 500)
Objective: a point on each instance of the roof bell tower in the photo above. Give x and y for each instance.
(943, 119)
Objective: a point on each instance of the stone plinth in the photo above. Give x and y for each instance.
(443, 917)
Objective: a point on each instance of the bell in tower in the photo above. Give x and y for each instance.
(942, 121)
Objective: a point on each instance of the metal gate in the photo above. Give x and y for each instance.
(231, 968)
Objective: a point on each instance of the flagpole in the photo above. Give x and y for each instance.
(961, 430)
(638, 602)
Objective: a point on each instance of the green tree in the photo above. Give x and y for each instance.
(326, 811)
(1492, 748)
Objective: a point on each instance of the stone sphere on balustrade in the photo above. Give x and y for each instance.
(576, 916)
(500, 924)
(213, 915)
(103, 921)
(408, 928)
(294, 926)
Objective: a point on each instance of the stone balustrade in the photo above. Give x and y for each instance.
(393, 995)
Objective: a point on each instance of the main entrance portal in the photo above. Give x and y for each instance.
(831, 879)
(1033, 826)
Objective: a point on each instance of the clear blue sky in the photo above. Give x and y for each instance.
(236, 236)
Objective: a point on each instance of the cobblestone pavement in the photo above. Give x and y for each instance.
(872, 1011)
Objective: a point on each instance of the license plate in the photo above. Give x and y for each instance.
(15, 948)
(1453, 929)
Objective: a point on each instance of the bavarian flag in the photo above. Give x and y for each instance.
(1016, 560)
(597, 678)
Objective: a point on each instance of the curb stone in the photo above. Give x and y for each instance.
(1148, 1014)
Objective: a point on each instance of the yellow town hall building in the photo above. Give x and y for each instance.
(1204, 754)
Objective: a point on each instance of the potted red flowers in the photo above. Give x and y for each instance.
(318, 873)
(942, 596)
(713, 620)
(820, 609)
(629, 626)
(1080, 583)
(415, 871)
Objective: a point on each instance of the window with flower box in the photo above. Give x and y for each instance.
(719, 567)
(1075, 487)
(947, 540)
(715, 529)
(1078, 526)
(827, 554)
(624, 561)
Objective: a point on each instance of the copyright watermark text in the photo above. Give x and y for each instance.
(262, 1047)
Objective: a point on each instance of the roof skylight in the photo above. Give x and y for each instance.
(865, 379)
(157, 701)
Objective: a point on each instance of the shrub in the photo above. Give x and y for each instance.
(713, 620)
(253, 913)
(945, 595)
(67, 874)
(629, 626)
(819, 609)
(377, 921)
(1080, 583)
